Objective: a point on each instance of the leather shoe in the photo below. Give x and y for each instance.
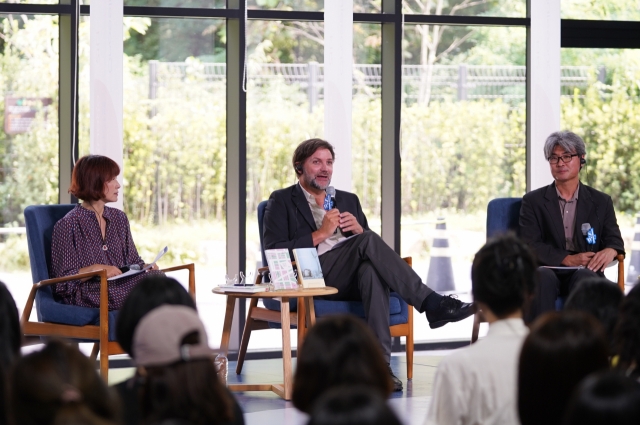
(397, 384)
(450, 309)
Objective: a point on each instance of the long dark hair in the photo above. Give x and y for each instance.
(10, 338)
(189, 390)
(59, 385)
(338, 350)
(626, 339)
(561, 349)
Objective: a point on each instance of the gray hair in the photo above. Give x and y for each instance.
(568, 140)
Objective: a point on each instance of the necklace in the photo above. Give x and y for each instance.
(99, 217)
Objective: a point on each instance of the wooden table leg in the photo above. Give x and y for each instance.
(286, 348)
(226, 328)
(302, 328)
(311, 311)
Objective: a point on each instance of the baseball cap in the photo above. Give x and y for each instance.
(157, 340)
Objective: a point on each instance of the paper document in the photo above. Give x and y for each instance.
(564, 268)
(132, 272)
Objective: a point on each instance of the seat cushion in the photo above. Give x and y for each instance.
(54, 312)
(398, 309)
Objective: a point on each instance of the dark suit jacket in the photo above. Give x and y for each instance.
(541, 223)
(288, 222)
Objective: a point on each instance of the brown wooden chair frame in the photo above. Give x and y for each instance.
(99, 333)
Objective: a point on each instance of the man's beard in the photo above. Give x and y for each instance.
(314, 184)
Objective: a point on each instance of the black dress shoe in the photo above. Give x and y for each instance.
(450, 309)
(397, 384)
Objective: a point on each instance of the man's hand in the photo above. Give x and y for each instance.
(348, 223)
(602, 259)
(330, 223)
(576, 260)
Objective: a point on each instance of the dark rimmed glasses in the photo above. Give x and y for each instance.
(553, 160)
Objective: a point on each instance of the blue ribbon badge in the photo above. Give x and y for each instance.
(591, 236)
(327, 203)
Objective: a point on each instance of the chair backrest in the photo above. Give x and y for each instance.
(503, 214)
(40, 220)
(261, 207)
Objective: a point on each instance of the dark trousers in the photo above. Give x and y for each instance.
(365, 268)
(551, 284)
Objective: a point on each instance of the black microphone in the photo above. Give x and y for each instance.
(331, 191)
(585, 232)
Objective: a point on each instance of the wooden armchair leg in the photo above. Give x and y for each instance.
(94, 351)
(246, 334)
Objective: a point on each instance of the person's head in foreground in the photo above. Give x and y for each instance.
(339, 350)
(180, 381)
(627, 334)
(94, 179)
(10, 338)
(599, 297)
(608, 398)
(357, 405)
(150, 293)
(59, 385)
(503, 277)
(561, 349)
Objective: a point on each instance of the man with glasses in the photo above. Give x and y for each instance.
(570, 226)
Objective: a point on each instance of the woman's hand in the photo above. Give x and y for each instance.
(154, 267)
(111, 270)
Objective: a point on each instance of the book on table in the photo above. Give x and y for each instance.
(309, 270)
(246, 289)
(280, 269)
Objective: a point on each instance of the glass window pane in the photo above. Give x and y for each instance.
(601, 103)
(463, 144)
(366, 120)
(284, 107)
(174, 145)
(302, 5)
(28, 137)
(367, 6)
(203, 4)
(31, 1)
(608, 10)
(502, 8)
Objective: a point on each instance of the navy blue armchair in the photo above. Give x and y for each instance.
(63, 320)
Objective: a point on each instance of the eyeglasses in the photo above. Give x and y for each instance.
(565, 158)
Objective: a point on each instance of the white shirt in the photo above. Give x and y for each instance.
(478, 384)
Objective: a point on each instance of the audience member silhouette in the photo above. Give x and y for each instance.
(10, 338)
(339, 350)
(152, 292)
(561, 349)
(352, 406)
(627, 335)
(600, 298)
(179, 379)
(59, 385)
(477, 384)
(608, 398)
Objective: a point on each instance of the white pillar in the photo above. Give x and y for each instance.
(543, 91)
(106, 82)
(338, 82)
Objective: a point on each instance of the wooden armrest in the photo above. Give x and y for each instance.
(192, 278)
(26, 313)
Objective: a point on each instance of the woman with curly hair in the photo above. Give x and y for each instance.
(626, 338)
